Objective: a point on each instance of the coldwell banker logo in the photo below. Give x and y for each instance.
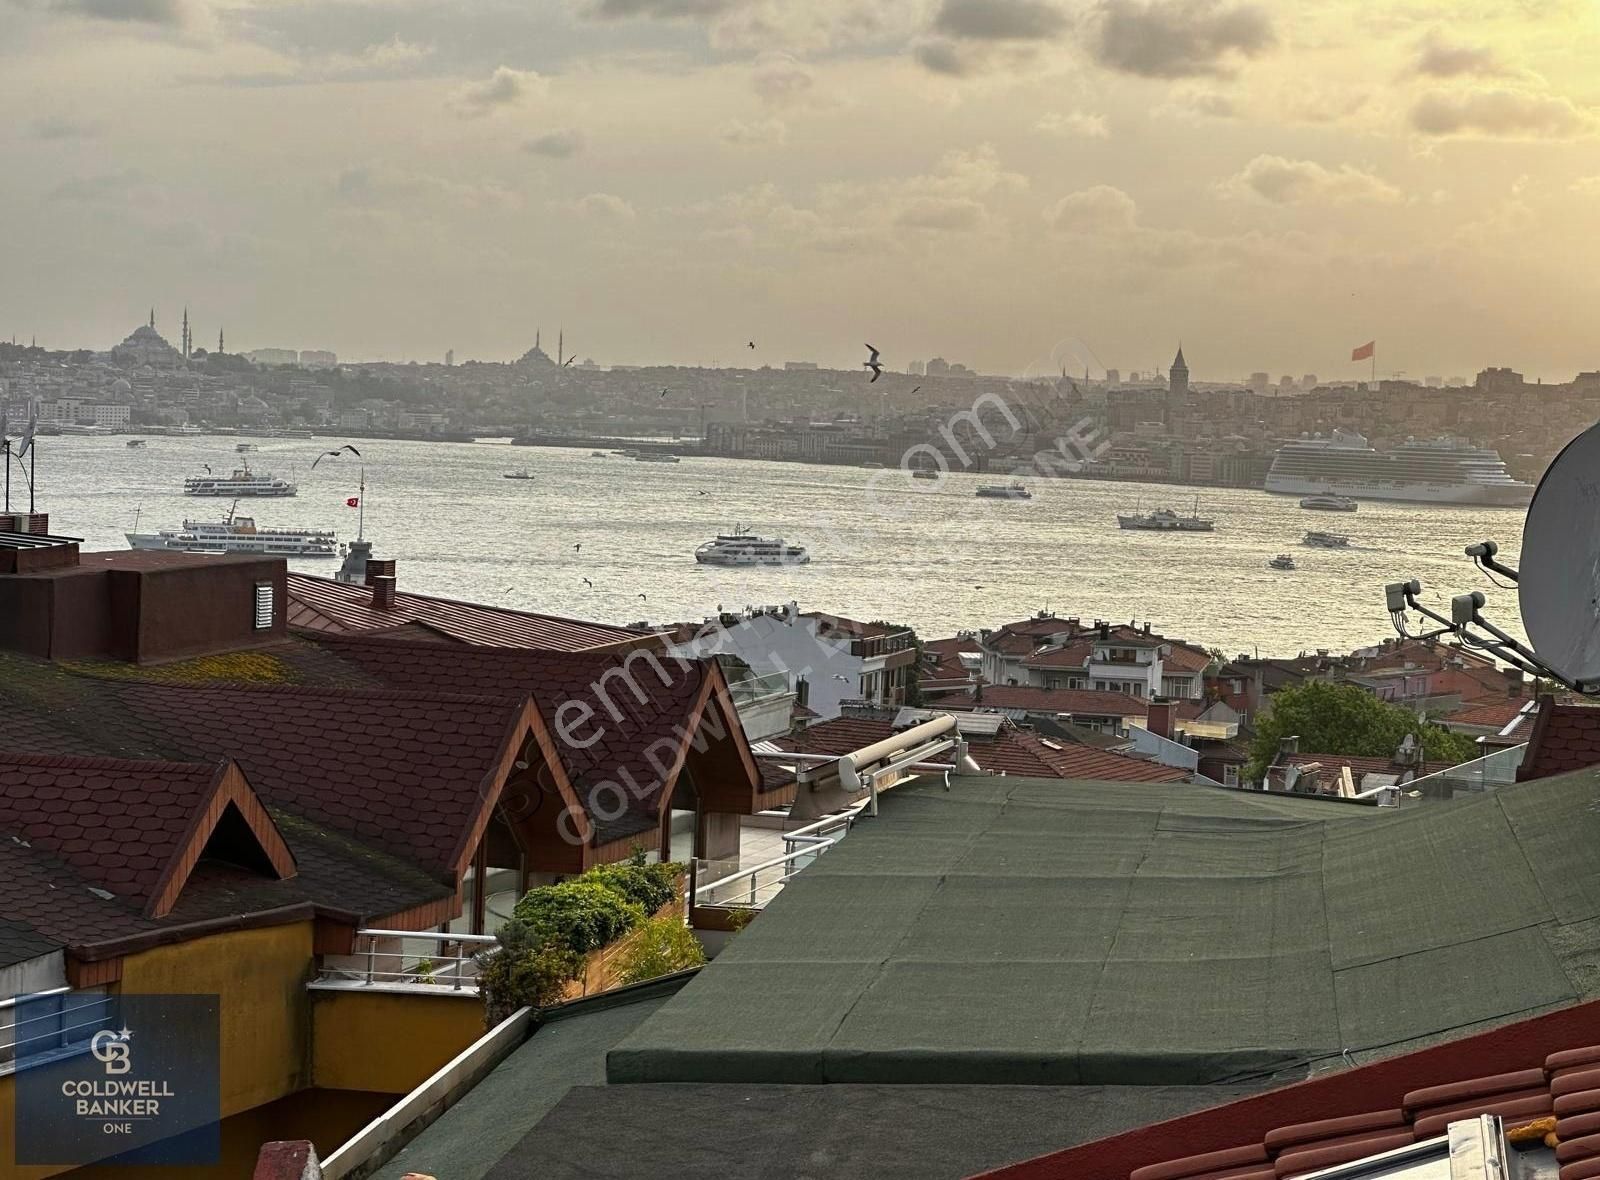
(141, 1089)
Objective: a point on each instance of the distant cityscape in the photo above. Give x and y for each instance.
(1161, 427)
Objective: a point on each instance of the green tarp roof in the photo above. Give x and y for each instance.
(1051, 933)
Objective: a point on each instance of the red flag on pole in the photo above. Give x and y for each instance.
(1365, 351)
(353, 502)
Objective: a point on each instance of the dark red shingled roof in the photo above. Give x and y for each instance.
(1565, 737)
(118, 824)
(626, 740)
(1083, 701)
(1547, 1067)
(322, 604)
(1011, 751)
(1496, 714)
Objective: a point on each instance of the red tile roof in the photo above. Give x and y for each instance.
(1010, 752)
(1543, 1068)
(1496, 714)
(1071, 655)
(1081, 701)
(1565, 737)
(322, 604)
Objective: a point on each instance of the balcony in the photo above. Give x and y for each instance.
(52, 1024)
(406, 961)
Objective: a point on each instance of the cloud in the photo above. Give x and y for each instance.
(1075, 123)
(1097, 210)
(1589, 186)
(378, 187)
(999, 20)
(737, 133)
(1176, 38)
(946, 214)
(61, 127)
(1198, 104)
(604, 207)
(944, 57)
(106, 186)
(656, 9)
(781, 80)
(1282, 181)
(167, 13)
(556, 145)
(1437, 58)
(503, 88)
(1500, 114)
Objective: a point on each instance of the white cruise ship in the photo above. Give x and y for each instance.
(742, 548)
(1435, 471)
(243, 482)
(239, 534)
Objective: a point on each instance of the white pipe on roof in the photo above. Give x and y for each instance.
(849, 764)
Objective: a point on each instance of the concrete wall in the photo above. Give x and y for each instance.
(386, 1040)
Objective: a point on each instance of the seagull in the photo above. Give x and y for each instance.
(207, 466)
(569, 360)
(752, 344)
(663, 393)
(872, 363)
(836, 675)
(577, 547)
(335, 454)
(913, 391)
(646, 597)
(702, 493)
(588, 583)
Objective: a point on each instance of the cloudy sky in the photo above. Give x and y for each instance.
(1009, 183)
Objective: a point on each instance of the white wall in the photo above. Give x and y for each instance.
(788, 644)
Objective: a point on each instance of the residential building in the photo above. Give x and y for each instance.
(1046, 652)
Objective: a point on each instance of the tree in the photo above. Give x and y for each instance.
(661, 946)
(1346, 719)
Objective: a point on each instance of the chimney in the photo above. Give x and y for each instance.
(1147, 628)
(1159, 721)
(1289, 745)
(382, 591)
(380, 567)
(1105, 629)
(38, 524)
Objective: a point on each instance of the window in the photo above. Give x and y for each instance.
(264, 605)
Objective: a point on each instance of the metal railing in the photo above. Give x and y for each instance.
(1492, 771)
(406, 966)
(57, 1020)
(753, 887)
(757, 688)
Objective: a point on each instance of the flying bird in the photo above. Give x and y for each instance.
(752, 344)
(872, 363)
(335, 454)
(577, 546)
(569, 360)
(663, 393)
(588, 583)
(207, 466)
(913, 391)
(702, 493)
(837, 676)
(646, 597)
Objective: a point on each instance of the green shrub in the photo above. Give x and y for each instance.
(660, 946)
(522, 972)
(582, 915)
(648, 886)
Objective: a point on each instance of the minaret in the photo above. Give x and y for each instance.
(219, 341)
(1178, 377)
(186, 332)
(152, 319)
(561, 346)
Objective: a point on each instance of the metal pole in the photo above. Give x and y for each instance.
(372, 952)
(6, 447)
(33, 471)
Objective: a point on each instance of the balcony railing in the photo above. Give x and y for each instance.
(732, 887)
(51, 1023)
(1488, 773)
(408, 959)
(759, 688)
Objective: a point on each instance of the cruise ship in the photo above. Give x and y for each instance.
(239, 534)
(742, 548)
(243, 482)
(1434, 471)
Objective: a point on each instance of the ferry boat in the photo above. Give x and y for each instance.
(1009, 491)
(1328, 502)
(1432, 471)
(135, 442)
(924, 473)
(742, 548)
(1282, 562)
(244, 448)
(655, 457)
(243, 482)
(520, 473)
(239, 534)
(597, 454)
(1165, 520)
(1321, 540)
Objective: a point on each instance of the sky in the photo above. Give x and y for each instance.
(1013, 184)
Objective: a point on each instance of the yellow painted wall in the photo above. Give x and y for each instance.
(8, 1145)
(261, 976)
(385, 1041)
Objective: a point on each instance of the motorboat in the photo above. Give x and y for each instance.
(1007, 491)
(1282, 562)
(741, 548)
(1320, 540)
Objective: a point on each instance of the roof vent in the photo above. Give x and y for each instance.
(264, 606)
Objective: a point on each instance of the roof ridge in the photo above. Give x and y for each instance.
(317, 690)
(93, 762)
(499, 651)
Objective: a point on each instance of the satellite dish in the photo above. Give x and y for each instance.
(1559, 583)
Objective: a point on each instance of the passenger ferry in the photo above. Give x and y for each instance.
(924, 473)
(135, 442)
(243, 482)
(1321, 540)
(742, 548)
(1009, 491)
(1431, 471)
(1165, 520)
(239, 534)
(655, 457)
(1328, 502)
(1282, 562)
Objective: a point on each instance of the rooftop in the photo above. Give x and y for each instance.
(1082, 701)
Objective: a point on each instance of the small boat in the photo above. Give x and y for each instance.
(1282, 562)
(597, 455)
(924, 473)
(873, 465)
(244, 448)
(655, 457)
(627, 454)
(1165, 520)
(1320, 540)
(741, 547)
(520, 473)
(1008, 491)
(135, 442)
(243, 482)
(1328, 502)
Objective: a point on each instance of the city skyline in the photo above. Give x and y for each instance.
(1273, 184)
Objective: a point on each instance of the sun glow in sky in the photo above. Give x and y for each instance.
(1272, 182)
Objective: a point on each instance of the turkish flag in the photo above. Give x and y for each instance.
(1365, 351)
(353, 502)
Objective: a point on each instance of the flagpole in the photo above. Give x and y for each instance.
(6, 447)
(361, 506)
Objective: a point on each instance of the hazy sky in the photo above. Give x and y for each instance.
(1273, 183)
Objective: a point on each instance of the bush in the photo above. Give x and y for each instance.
(661, 946)
(648, 886)
(523, 973)
(581, 915)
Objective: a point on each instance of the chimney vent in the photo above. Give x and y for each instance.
(379, 567)
(1159, 720)
(382, 590)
